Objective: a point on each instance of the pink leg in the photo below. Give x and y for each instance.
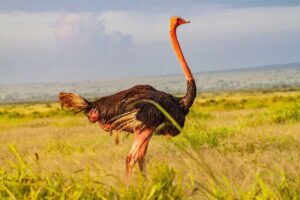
(138, 150)
(142, 160)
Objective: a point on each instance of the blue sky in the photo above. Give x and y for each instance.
(64, 40)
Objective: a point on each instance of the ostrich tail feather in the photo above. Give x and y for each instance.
(73, 102)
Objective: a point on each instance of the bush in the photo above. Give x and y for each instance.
(286, 114)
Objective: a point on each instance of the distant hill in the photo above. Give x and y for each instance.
(255, 78)
(268, 67)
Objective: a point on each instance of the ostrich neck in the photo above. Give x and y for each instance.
(186, 70)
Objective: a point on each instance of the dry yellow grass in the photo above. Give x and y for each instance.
(235, 136)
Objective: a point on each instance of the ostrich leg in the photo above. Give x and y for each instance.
(144, 151)
(138, 149)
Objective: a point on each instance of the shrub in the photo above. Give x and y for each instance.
(289, 113)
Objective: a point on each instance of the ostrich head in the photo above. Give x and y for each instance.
(176, 21)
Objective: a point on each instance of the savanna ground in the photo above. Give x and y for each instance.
(241, 145)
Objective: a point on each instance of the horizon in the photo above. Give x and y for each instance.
(61, 41)
(263, 67)
(283, 77)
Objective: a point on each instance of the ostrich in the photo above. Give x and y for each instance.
(126, 111)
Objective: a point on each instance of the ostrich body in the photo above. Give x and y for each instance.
(125, 110)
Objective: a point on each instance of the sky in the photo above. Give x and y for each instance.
(78, 40)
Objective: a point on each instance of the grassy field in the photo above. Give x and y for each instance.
(233, 146)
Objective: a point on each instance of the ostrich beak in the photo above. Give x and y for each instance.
(183, 21)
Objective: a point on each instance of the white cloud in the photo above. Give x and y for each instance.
(57, 45)
(68, 25)
(232, 23)
(89, 45)
(146, 28)
(22, 27)
(212, 24)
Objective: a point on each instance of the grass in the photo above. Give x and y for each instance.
(289, 113)
(233, 146)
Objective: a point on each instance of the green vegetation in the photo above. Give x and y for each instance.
(290, 113)
(233, 146)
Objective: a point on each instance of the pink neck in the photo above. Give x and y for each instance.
(186, 70)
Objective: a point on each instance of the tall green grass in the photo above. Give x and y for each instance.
(162, 182)
(206, 151)
(22, 182)
(289, 113)
(219, 186)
